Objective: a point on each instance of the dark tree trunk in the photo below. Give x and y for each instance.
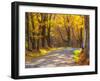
(38, 45)
(73, 39)
(43, 40)
(68, 33)
(28, 32)
(86, 49)
(81, 38)
(43, 35)
(38, 34)
(48, 38)
(48, 32)
(33, 33)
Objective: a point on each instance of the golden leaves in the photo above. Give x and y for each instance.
(78, 21)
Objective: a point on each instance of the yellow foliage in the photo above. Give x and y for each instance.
(76, 58)
(43, 51)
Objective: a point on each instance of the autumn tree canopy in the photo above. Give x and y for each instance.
(45, 30)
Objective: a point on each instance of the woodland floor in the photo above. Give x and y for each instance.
(56, 58)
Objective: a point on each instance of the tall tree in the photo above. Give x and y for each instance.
(86, 49)
(38, 33)
(67, 28)
(28, 32)
(81, 37)
(49, 30)
(33, 32)
(44, 18)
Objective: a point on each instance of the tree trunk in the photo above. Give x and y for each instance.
(48, 32)
(48, 38)
(86, 49)
(28, 32)
(61, 35)
(68, 40)
(81, 38)
(38, 45)
(44, 19)
(68, 33)
(33, 33)
(43, 35)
